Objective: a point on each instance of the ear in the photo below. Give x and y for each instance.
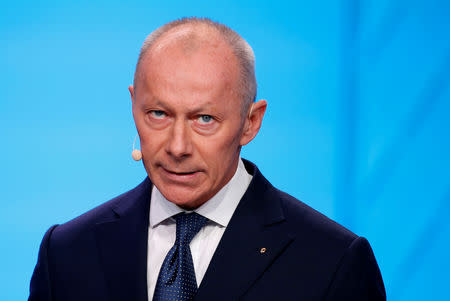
(131, 89)
(253, 121)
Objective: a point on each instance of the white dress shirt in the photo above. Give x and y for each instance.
(162, 227)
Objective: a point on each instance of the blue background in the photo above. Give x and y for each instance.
(357, 123)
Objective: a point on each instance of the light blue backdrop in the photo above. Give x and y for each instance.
(357, 124)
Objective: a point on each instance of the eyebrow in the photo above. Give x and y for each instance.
(193, 111)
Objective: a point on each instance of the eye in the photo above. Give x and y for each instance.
(205, 119)
(157, 114)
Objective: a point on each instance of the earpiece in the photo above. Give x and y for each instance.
(136, 154)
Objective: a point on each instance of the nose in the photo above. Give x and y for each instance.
(179, 143)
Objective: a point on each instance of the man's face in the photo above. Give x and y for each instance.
(188, 115)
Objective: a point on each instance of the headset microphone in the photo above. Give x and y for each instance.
(136, 154)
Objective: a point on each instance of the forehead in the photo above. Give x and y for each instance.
(190, 60)
(188, 38)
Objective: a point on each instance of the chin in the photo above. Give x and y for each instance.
(187, 204)
(183, 199)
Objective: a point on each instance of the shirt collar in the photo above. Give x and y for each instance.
(218, 209)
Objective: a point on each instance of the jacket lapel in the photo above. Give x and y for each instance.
(254, 238)
(122, 244)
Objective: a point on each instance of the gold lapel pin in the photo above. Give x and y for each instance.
(263, 250)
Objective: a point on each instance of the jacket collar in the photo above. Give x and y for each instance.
(122, 244)
(256, 235)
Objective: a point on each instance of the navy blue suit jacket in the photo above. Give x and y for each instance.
(102, 255)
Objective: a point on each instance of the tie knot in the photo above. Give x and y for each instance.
(188, 225)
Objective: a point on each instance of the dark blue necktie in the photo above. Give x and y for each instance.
(176, 279)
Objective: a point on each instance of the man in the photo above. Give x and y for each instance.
(204, 225)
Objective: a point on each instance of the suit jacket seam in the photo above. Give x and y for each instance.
(338, 267)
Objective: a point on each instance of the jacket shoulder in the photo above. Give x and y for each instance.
(317, 226)
(103, 213)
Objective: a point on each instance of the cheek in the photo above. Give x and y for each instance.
(151, 142)
(220, 150)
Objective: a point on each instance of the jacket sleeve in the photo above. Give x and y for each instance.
(357, 276)
(40, 286)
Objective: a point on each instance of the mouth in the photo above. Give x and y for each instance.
(179, 175)
(178, 172)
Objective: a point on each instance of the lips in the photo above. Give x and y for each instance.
(181, 172)
(180, 176)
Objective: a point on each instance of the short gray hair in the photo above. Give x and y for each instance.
(241, 49)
